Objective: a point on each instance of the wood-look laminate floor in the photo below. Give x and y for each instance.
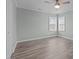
(49, 48)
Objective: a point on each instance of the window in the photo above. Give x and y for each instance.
(52, 24)
(61, 23)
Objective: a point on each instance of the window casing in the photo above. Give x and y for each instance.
(61, 23)
(53, 23)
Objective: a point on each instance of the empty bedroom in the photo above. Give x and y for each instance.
(39, 29)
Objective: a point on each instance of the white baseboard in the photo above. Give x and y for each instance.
(14, 46)
(13, 49)
(37, 38)
(66, 37)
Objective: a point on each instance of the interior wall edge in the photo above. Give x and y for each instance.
(70, 38)
(13, 49)
(37, 38)
(35, 11)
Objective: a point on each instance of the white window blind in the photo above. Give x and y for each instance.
(61, 23)
(52, 24)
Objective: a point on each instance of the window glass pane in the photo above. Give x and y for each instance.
(61, 23)
(52, 24)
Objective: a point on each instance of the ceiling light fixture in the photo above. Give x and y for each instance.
(57, 5)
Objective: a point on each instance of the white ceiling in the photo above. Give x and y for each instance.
(41, 6)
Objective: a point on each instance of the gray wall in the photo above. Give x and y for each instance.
(68, 26)
(11, 28)
(31, 24)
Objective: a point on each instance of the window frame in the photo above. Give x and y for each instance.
(64, 23)
(57, 25)
(49, 24)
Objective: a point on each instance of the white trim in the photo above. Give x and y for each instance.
(36, 38)
(66, 37)
(13, 49)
